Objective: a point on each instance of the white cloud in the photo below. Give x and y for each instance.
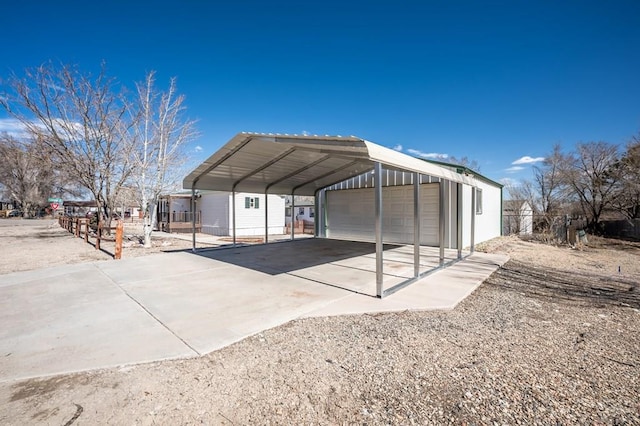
(432, 155)
(13, 127)
(397, 147)
(514, 169)
(528, 160)
(198, 148)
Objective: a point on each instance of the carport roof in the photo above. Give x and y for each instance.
(300, 164)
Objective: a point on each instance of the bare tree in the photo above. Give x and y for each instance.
(627, 197)
(465, 162)
(549, 185)
(159, 138)
(28, 176)
(593, 177)
(78, 117)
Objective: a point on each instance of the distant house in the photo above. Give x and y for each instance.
(7, 205)
(517, 217)
(214, 213)
(303, 209)
(79, 207)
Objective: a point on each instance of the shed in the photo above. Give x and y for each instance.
(517, 217)
(399, 199)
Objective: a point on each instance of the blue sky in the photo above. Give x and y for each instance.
(493, 81)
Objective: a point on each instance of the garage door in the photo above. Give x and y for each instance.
(351, 214)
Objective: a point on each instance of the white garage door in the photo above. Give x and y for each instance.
(351, 214)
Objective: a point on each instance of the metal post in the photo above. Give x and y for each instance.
(293, 216)
(193, 219)
(416, 224)
(377, 187)
(473, 218)
(316, 216)
(233, 207)
(266, 218)
(459, 219)
(441, 217)
(325, 214)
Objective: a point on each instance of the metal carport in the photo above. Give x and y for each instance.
(305, 164)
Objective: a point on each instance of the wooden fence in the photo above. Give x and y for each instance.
(82, 228)
(626, 228)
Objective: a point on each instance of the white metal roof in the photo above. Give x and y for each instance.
(300, 164)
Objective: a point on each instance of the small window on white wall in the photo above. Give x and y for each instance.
(478, 201)
(311, 212)
(251, 203)
(301, 211)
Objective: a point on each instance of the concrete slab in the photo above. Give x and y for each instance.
(73, 321)
(441, 290)
(220, 306)
(169, 305)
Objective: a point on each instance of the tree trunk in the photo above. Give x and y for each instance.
(152, 217)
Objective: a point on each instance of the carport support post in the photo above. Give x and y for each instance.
(459, 219)
(441, 219)
(416, 224)
(193, 218)
(266, 218)
(473, 218)
(377, 184)
(293, 216)
(233, 215)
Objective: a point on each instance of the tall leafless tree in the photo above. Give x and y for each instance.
(27, 174)
(158, 151)
(79, 118)
(593, 177)
(549, 185)
(627, 197)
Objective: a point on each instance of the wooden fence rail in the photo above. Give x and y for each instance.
(81, 228)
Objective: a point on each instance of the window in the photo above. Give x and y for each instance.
(311, 212)
(301, 211)
(251, 203)
(287, 212)
(478, 201)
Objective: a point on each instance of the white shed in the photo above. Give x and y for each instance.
(517, 217)
(350, 217)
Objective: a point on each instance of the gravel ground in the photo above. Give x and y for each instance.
(551, 338)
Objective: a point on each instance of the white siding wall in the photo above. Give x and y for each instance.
(351, 214)
(488, 224)
(215, 213)
(250, 221)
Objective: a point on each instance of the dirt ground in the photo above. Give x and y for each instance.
(553, 337)
(41, 243)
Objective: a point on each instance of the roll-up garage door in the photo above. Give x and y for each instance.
(351, 214)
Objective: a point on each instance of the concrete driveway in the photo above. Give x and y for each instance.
(171, 305)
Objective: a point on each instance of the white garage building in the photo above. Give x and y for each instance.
(364, 192)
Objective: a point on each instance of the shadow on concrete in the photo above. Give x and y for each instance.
(289, 256)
